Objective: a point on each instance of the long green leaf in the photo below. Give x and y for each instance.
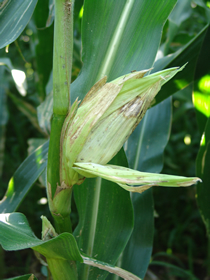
(117, 37)
(132, 36)
(14, 16)
(23, 179)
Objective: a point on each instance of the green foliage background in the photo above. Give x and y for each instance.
(179, 229)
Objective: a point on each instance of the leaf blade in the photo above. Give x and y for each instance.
(103, 208)
(23, 179)
(13, 23)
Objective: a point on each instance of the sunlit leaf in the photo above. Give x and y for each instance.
(202, 170)
(23, 179)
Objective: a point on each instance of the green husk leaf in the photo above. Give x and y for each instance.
(135, 86)
(77, 131)
(107, 116)
(126, 177)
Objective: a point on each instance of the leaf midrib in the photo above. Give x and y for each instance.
(111, 52)
(93, 223)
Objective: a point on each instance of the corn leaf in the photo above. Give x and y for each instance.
(17, 235)
(103, 208)
(23, 179)
(112, 269)
(12, 24)
(105, 51)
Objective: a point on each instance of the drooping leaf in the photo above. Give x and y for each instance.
(23, 179)
(14, 16)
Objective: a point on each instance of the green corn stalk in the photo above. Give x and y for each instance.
(60, 199)
(62, 64)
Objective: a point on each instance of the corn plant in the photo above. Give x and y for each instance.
(105, 146)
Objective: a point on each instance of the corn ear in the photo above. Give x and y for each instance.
(107, 116)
